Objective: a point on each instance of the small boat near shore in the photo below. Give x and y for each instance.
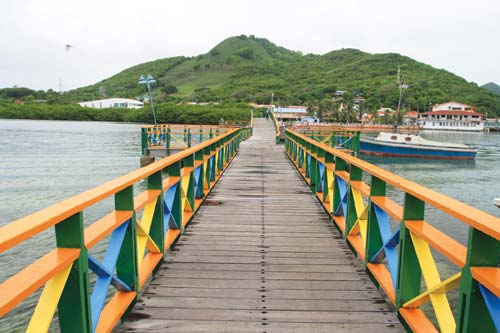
(410, 145)
(497, 202)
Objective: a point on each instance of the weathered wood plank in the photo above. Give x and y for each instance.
(267, 259)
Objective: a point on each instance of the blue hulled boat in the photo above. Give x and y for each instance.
(409, 145)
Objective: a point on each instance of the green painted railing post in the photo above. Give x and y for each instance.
(340, 165)
(313, 169)
(356, 143)
(213, 150)
(74, 305)
(155, 182)
(201, 135)
(320, 153)
(329, 159)
(189, 162)
(211, 134)
(473, 315)
(409, 271)
(144, 141)
(189, 138)
(374, 238)
(168, 139)
(217, 132)
(198, 156)
(126, 266)
(206, 171)
(174, 170)
(355, 174)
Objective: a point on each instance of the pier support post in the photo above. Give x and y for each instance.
(74, 305)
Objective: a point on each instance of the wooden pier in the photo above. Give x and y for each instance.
(238, 234)
(261, 255)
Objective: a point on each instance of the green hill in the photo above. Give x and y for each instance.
(246, 68)
(492, 87)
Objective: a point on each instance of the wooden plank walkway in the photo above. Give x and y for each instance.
(267, 259)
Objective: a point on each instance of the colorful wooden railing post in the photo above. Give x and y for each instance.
(74, 309)
(399, 272)
(174, 170)
(474, 315)
(200, 140)
(144, 141)
(155, 182)
(199, 175)
(126, 269)
(374, 239)
(168, 139)
(356, 145)
(188, 188)
(409, 269)
(354, 201)
(189, 138)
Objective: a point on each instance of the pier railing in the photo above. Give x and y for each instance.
(394, 241)
(140, 229)
(346, 140)
(277, 126)
(176, 137)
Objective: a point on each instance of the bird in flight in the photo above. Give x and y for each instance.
(67, 46)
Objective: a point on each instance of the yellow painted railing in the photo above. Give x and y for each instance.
(176, 186)
(277, 127)
(398, 255)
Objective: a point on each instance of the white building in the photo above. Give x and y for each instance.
(113, 103)
(290, 113)
(452, 116)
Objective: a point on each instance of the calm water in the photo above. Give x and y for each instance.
(474, 182)
(43, 162)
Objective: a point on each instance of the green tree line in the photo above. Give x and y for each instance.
(165, 113)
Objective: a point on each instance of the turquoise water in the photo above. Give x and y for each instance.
(43, 162)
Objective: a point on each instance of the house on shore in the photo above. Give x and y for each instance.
(452, 116)
(290, 113)
(113, 103)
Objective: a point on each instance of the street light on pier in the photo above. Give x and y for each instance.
(148, 80)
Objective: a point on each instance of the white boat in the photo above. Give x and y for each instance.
(497, 202)
(410, 145)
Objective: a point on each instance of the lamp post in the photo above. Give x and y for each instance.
(148, 80)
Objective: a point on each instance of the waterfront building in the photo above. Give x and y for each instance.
(410, 118)
(452, 116)
(113, 103)
(290, 113)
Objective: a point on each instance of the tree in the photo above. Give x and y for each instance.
(170, 89)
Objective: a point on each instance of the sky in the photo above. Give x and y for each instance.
(109, 36)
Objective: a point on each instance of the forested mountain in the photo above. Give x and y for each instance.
(492, 87)
(246, 68)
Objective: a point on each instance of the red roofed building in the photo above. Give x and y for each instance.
(452, 116)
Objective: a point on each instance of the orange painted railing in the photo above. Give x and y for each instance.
(176, 186)
(398, 255)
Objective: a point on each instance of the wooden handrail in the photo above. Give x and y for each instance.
(474, 217)
(28, 226)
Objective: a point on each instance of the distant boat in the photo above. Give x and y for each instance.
(497, 202)
(409, 145)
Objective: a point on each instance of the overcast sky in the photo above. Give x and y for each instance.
(109, 36)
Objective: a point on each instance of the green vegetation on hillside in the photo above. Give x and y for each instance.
(165, 113)
(492, 87)
(249, 69)
(246, 68)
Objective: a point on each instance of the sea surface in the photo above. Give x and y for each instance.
(43, 162)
